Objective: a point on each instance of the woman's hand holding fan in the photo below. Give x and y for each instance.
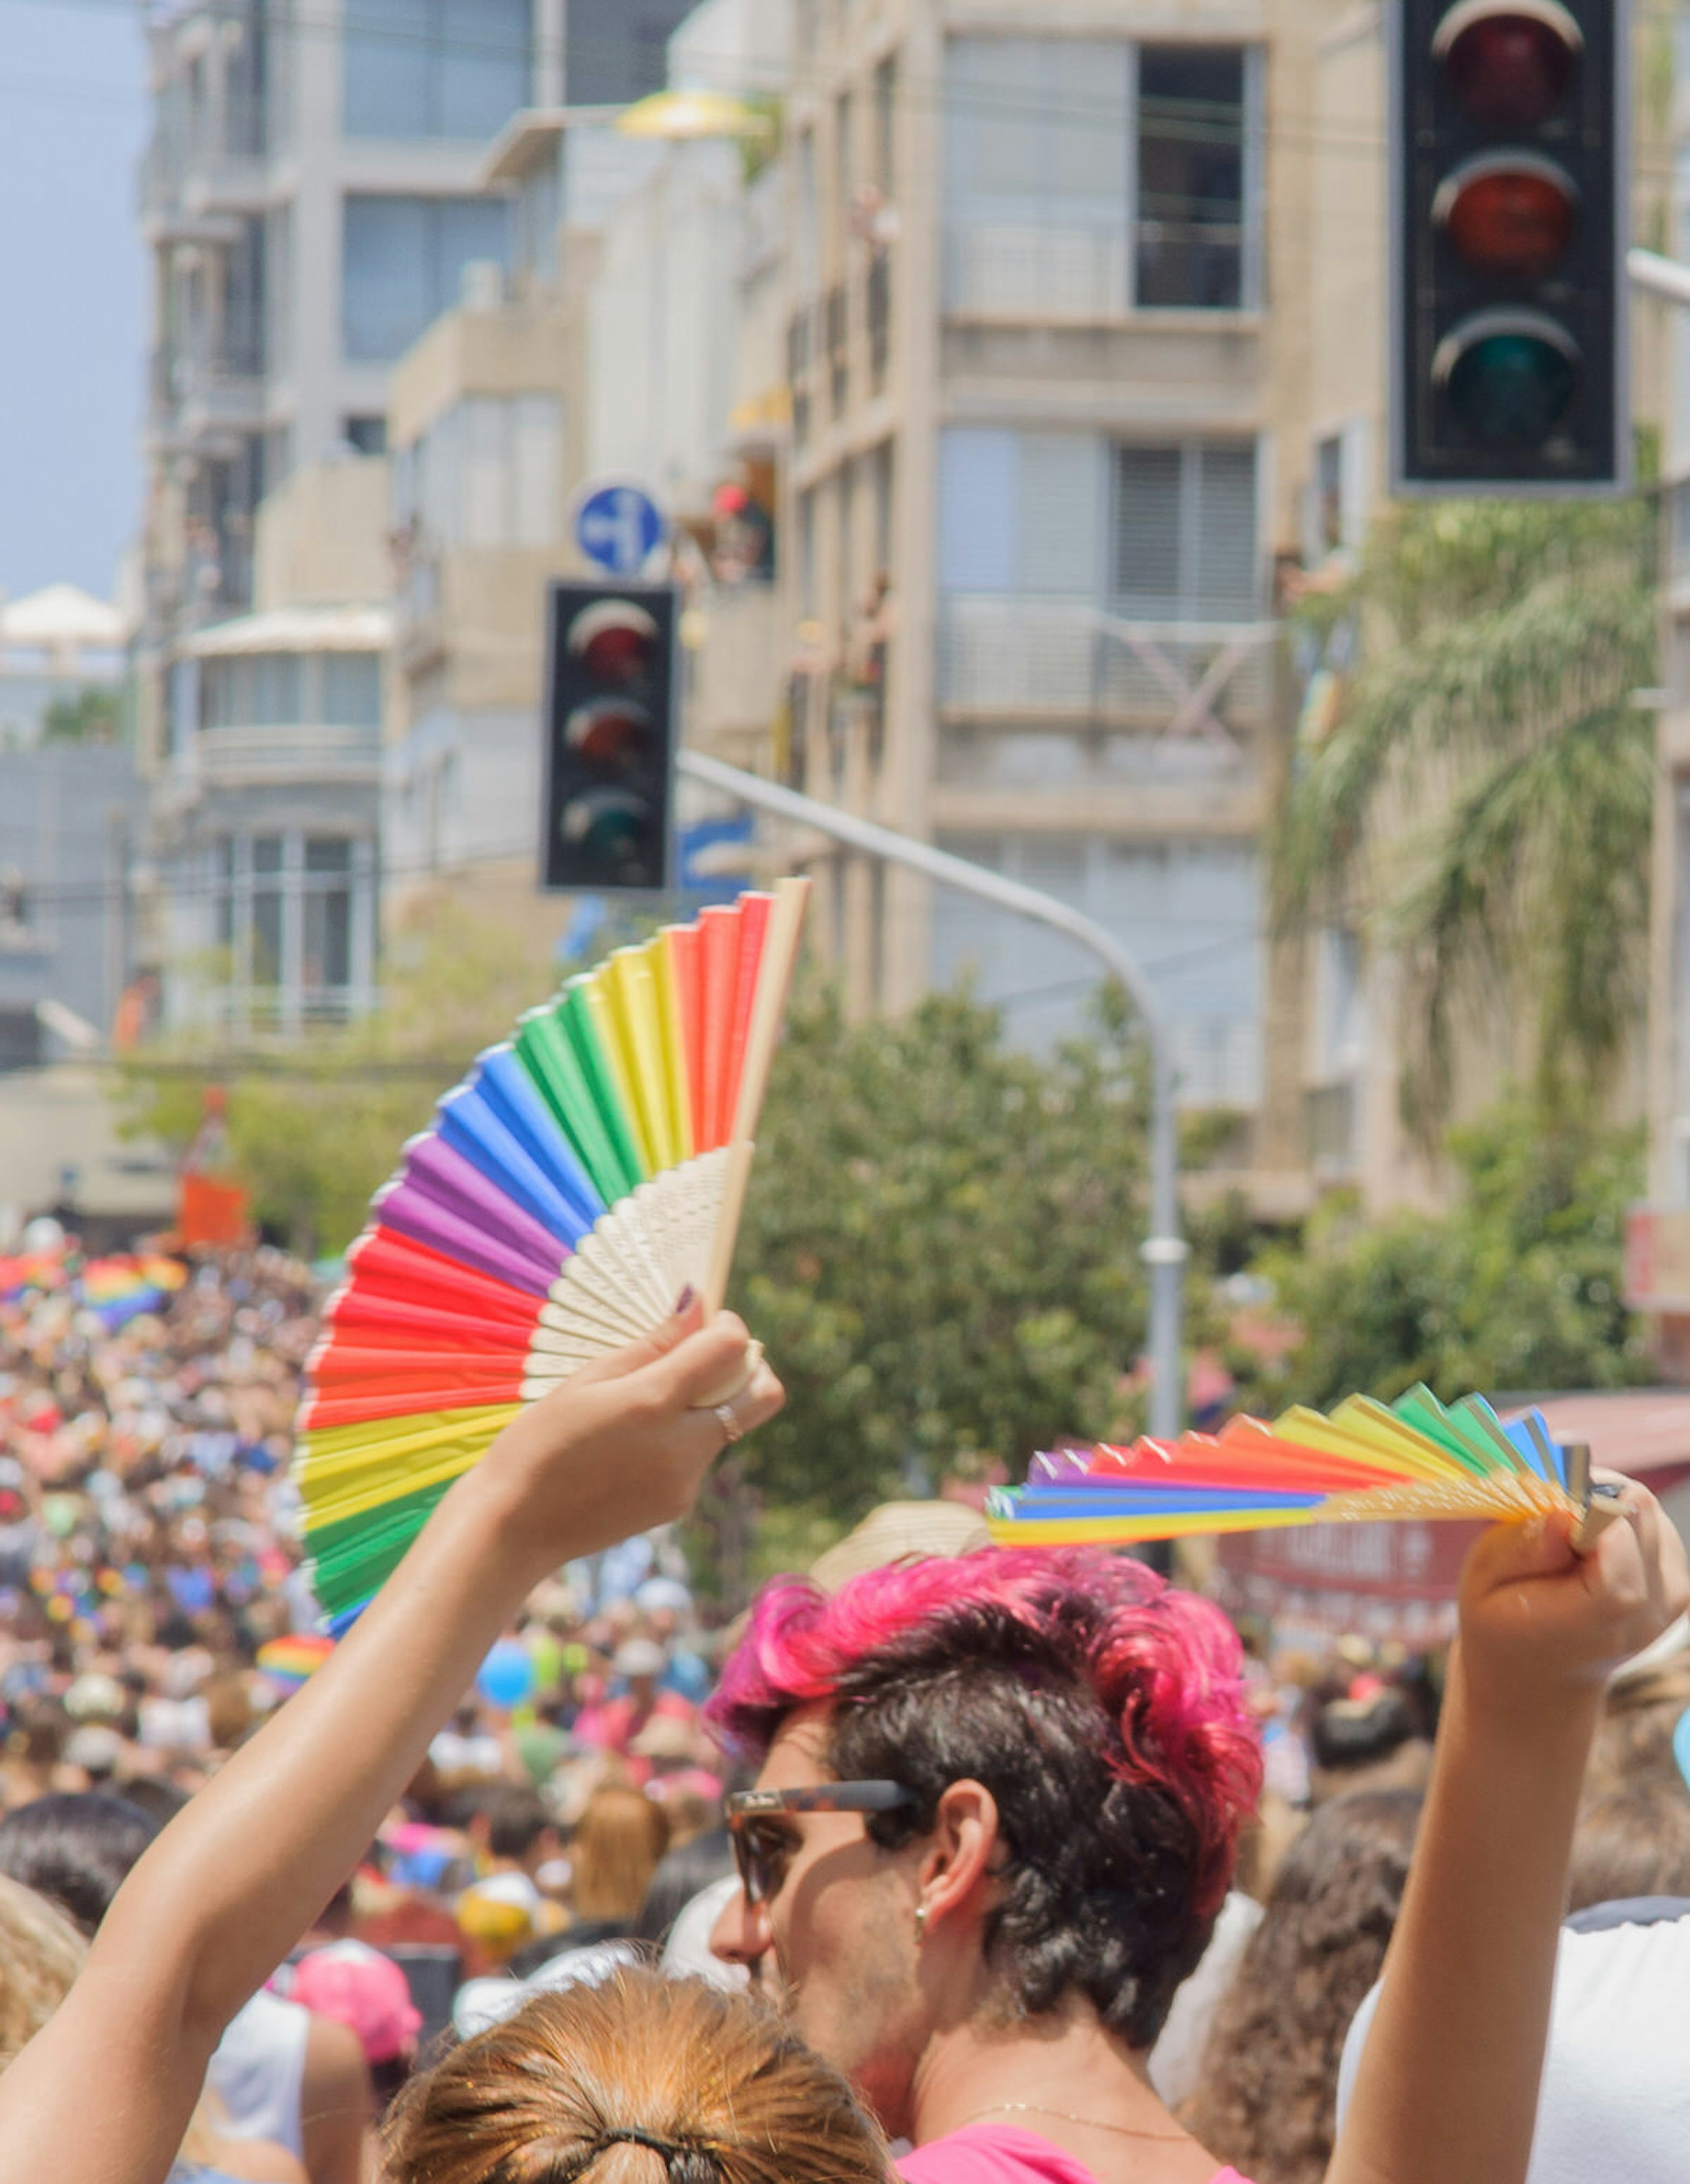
(625, 1443)
(588, 1169)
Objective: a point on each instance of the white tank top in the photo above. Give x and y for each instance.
(258, 2070)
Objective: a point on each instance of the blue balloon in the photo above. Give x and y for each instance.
(506, 1675)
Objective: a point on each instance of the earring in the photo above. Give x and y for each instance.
(921, 1922)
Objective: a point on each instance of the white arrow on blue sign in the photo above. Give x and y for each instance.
(619, 526)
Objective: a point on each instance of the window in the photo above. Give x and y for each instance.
(351, 690)
(266, 909)
(252, 690)
(436, 68)
(292, 913)
(845, 159)
(1191, 129)
(806, 270)
(1036, 175)
(402, 265)
(538, 209)
(1019, 512)
(886, 118)
(325, 959)
(1189, 910)
(291, 689)
(485, 474)
(1184, 533)
(1084, 177)
(615, 51)
(366, 436)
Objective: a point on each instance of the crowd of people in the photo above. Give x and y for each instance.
(951, 1864)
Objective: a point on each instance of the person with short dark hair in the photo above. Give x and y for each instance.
(75, 1848)
(998, 1806)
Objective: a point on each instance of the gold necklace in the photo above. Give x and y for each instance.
(1062, 2115)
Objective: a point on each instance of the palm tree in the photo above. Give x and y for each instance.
(1481, 804)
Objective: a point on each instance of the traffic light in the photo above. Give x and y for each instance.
(609, 723)
(1508, 136)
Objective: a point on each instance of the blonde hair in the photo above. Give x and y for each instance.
(41, 1954)
(614, 1851)
(642, 2080)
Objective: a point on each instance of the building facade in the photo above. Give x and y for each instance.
(310, 199)
(1048, 344)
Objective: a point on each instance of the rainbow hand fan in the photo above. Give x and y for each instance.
(567, 1192)
(1366, 1461)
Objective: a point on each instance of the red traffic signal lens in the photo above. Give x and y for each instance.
(612, 733)
(1508, 212)
(614, 640)
(1510, 67)
(1509, 376)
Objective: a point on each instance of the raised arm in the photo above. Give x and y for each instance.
(103, 2094)
(1447, 2091)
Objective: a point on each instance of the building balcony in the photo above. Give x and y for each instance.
(238, 757)
(1034, 659)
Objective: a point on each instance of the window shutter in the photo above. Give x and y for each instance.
(1226, 581)
(1146, 572)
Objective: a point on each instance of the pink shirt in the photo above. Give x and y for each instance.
(989, 2154)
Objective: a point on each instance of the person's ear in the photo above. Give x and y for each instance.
(959, 1868)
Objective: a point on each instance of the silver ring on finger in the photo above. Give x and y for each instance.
(728, 1419)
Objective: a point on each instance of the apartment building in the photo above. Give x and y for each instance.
(310, 200)
(1049, 350)
(644, 299)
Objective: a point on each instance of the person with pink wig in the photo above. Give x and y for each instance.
(999, 1804)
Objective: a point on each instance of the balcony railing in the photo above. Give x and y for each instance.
(1217, 1062)
(1034, 271)
(310, 751)
(1034, 657)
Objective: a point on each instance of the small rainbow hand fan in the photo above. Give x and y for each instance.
(567, 1192)
(1366, 1461)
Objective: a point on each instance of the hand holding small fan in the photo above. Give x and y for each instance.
(1365, 1463)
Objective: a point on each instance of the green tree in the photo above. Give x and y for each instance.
(1517, 1289)
(314, 1128)
(1482, 805)
(941, 1247)
(93, 715)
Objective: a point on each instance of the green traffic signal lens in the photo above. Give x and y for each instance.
(611, 834)
(1510, 67)
(1509, 377)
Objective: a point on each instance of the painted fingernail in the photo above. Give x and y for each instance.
(684, 1298)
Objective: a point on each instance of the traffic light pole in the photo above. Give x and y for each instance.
(1164, 1251)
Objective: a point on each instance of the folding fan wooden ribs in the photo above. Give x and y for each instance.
(1366, 1461)
(583, 1174)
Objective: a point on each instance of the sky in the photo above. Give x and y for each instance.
(73, 331)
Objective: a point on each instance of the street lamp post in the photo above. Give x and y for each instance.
(1164, 1251)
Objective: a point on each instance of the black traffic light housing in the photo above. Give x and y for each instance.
(612, 689)
(1508, 184)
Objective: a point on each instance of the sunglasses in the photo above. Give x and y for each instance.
(761, 1855)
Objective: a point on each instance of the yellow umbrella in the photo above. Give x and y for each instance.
(680, 114)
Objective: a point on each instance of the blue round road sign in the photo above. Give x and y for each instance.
(620, 527)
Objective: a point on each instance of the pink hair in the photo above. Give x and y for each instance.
(1163, 1666)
